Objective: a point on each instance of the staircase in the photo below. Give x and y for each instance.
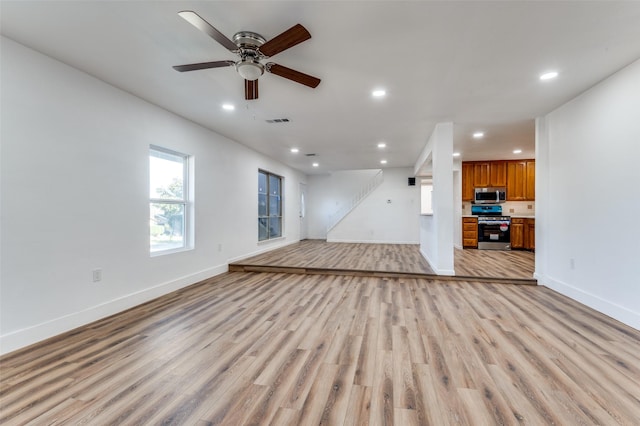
(367, 189)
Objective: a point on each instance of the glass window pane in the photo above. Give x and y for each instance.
(262, 205)
(263, 232)
(274, 205)
(262, 183)
(166, 226)
(269, 206)
(166, 174)
(274, 185)
(274, 227)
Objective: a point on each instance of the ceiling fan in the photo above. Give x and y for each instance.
(251, 48)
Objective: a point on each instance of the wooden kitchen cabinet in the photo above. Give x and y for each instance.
(530, 234)
(521, 180)
(498, 173)
(467, 181)
(470, 232)
(516, 180)
(517, 232)
(519, 177)
(530, 191)
(523, 233)
(481, 174)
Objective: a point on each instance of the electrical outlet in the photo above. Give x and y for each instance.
(219, 247)
(511, 210)
(530, 206)
(97, 275)
(572, 263)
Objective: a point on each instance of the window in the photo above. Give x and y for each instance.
(426, 196)
(269, 206)
(168, 201)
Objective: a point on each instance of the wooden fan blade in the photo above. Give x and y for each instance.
(293, 75)
(198, 22)
(250, 89)
(203, 66)
(294, 35)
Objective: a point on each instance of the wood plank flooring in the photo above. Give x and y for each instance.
(319, 256)
(261, 348)
(494, 263)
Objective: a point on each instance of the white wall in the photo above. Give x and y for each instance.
(390, 214)
(74, 182)
(328, 193)
(588, 197)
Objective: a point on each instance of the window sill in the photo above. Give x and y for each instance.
(270, 240)
(171, 251)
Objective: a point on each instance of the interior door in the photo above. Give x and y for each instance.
(302, 209)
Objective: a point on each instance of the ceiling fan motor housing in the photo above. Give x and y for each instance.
(248, 40)
(249, 66)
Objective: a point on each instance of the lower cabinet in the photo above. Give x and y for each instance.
(517, 233)
(523, 233)
(530, 234)
(470, 232)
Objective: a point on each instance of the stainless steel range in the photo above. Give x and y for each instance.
(493, 228)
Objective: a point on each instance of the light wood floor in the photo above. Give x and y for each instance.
(321, 256)
(287, 349)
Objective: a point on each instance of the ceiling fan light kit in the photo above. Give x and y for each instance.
(251, 48)
(249, 69)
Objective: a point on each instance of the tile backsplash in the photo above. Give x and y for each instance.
(510, 208)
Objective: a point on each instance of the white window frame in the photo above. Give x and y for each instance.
(186, 202)
(268, 216)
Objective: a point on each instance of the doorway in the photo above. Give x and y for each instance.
(302, 211)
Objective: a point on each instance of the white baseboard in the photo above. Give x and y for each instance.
(448, 272)
(338, 240)
(620, 313)
(30, 335)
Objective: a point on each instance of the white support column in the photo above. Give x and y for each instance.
(437, 231)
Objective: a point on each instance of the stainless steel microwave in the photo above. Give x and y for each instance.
(490, 195)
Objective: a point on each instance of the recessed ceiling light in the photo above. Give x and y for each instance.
(228, 107)
(378, 93)
(478, 135)
(315, 164)
(549, 75)
(517, 151)
(382, 145)
(456, 154)
(295, 150)
(383, 161)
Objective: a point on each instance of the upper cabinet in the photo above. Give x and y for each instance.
(467, 182)
(516, 180)
(498, 173)
(481, 174)
(521, 180)
(517, 176)
(530, 192)
(489, 173)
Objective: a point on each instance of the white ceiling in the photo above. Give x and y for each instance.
(475, 63)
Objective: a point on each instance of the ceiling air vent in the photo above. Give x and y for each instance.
(310, 155)
(278, 120)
